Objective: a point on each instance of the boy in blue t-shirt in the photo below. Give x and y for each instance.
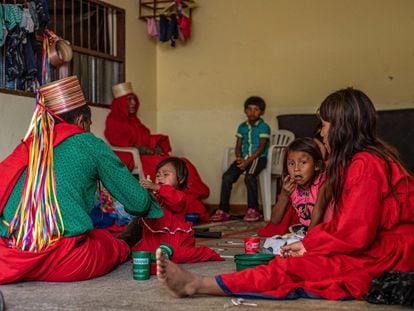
(251, 157)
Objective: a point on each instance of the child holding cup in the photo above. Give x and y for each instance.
(170, 181)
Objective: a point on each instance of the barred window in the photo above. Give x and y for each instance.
(95, 30)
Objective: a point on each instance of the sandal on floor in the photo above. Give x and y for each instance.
(252, 215)
(219, 215)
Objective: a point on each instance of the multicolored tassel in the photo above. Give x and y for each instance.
(35, 225)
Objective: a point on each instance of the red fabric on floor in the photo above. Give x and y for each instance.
(71, 259)
(290, 218)
(183, 244)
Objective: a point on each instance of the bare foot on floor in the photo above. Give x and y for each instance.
(180, 282)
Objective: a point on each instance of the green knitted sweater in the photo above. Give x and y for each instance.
(80, 161)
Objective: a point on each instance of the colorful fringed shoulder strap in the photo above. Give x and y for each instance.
(35, 225)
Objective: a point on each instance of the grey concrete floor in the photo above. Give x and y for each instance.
(118, 291)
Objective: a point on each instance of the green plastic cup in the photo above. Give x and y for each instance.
(141, 265)
(167, 249)
(246, 261)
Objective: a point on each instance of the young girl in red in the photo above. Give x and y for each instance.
(170, 181)
(304, 175)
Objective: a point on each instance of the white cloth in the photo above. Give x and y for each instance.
(273, 244)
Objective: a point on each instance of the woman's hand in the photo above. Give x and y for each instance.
(295, 249)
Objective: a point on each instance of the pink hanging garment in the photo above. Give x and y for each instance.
(152, 27)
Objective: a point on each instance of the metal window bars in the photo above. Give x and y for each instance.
(96, 31)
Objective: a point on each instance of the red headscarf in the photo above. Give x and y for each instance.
(126, 130)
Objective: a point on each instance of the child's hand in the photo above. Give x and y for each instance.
(148, 184)
(242, 164)
(239, 159)
(288, 185)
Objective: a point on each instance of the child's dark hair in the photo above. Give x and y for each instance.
(256, 101)
(305, 144)
(181, 169)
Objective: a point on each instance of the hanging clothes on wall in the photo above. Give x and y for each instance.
(184, 24)
(152, 27)
(174, 22)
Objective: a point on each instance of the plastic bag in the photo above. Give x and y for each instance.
(392, 287)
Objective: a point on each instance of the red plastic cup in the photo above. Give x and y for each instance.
(251, 245)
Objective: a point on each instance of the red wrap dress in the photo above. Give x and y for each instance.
(173, 229)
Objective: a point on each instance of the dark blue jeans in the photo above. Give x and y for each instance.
(230, 177)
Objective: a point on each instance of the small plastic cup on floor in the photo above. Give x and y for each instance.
(141, 265)
(167, 249)
(251, 245)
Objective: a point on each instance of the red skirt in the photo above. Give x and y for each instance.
(70, 259)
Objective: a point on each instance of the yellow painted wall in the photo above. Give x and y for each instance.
(16, 111)
(15, 115)
(140, 68)
(292, 53)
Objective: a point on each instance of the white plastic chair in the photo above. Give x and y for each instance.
(137, 170)
(274, 168)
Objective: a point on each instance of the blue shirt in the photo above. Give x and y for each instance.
(251, 135)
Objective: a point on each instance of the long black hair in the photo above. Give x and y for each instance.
(353, 128)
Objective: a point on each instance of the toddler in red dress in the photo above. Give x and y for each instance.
(170, 181)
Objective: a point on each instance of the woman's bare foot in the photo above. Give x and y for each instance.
(180, 282)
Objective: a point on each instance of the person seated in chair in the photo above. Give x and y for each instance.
(125, 129)
(252, 144)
